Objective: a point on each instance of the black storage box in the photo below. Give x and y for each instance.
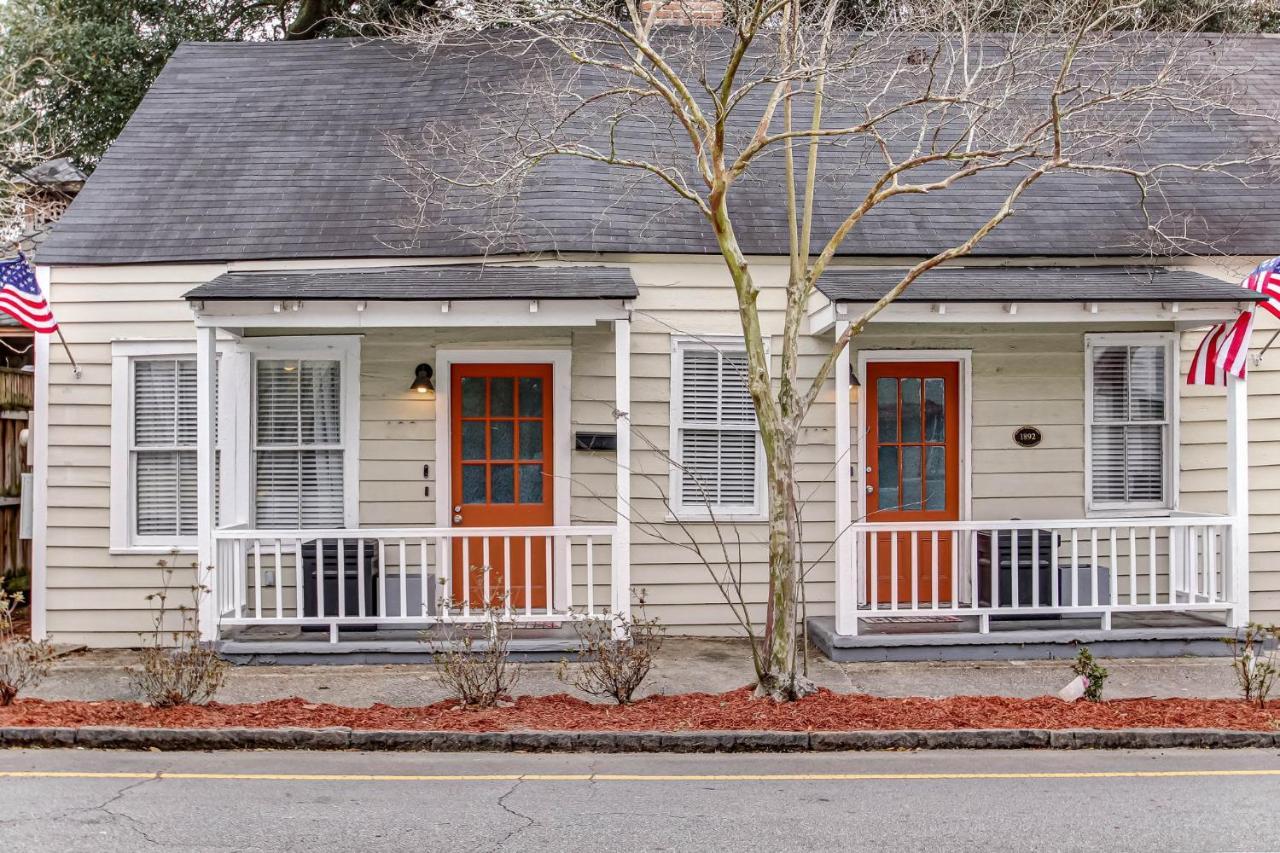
(1002, 554)
(354, 574)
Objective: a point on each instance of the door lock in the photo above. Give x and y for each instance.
(457, 514)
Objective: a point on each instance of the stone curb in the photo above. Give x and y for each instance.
(113, 737)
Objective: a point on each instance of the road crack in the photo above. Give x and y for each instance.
(529, 822)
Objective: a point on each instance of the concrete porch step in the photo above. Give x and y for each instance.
(1045, 642)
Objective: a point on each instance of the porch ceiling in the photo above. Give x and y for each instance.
(411, 284)
(1035, 284)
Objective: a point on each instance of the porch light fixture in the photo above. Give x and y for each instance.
(854, 385)
(422, 382)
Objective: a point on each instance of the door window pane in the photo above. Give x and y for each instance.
(531, 439)
(472, 397)
(887, 409)
(531, 484)
(912, 479)
(530, 397)
(935, 411)
(501, 397)
(502, 484)
(473, 439)
(887, 472)
(501, 439)
(910, 409)
(473, 484)
(935, 478)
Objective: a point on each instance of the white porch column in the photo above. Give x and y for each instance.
(846, 590)
(206, 414)
(622, 418)
(1238, 495)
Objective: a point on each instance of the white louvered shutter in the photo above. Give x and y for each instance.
(164, 448)
(1130, 424)
(717, 436)
(298, 453)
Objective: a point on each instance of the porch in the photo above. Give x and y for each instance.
(454, 506)
(928, 568)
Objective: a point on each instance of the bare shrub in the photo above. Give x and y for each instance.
(22, 663)
(175, 668)
(1254, 660)
(473, 665)
(610, 665)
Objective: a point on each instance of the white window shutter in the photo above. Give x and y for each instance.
(1130, 424)
(299, 458)
(717, 439)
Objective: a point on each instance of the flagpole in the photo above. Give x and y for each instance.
(75, 368)
(1257, 359)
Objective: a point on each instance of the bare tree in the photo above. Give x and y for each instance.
(921, 98)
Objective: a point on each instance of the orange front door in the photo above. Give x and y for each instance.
(502, 477)
(913, 475)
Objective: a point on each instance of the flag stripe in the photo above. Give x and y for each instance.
(20, 296)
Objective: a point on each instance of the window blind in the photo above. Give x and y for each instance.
(164, 447)
(1130, 424)
(298, 453)
(716, 437)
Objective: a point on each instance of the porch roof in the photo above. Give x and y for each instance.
(1035, 284)
(410, 284)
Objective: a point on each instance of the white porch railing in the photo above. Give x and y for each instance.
(1025, 568)
(415, 576)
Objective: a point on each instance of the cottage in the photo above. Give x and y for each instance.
(343, 414)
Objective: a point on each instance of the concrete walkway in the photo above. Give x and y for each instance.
(685, 665)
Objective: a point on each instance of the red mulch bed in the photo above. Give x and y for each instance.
(825, 711)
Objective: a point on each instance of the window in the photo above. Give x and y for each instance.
(1129, 421)
(153, 446)
(715, 438)
(163, 449)
(299, 452)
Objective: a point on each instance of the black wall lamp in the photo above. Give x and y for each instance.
(422, 381)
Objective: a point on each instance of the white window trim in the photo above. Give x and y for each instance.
(1169, 504)
(679, 511)
(123, 354)
(344, 348)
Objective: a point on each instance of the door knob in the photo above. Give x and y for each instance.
(870, 488)
(457, 518)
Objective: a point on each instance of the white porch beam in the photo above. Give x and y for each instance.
(1238, 496)
(206, 415)
(621, 586)
(40, 476)
(346, 314)
(846, 590)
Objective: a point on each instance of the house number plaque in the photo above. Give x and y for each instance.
(1027, 436)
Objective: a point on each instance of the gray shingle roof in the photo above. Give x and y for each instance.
(419, 283)
(1034, 284)
(278, 150)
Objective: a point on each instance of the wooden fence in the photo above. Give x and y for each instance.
(17, 389)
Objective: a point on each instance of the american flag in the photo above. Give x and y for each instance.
(1224, 350)
(1266, 280)
(20, 296)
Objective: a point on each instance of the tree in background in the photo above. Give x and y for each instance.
(79, 68)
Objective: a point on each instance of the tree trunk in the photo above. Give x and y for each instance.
(780, 676)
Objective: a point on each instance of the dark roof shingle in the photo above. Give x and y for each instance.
(279, 150)
(1034, 284)
(472, 282)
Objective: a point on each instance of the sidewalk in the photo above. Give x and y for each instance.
(684, 665)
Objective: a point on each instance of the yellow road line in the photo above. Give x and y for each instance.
(625, 777)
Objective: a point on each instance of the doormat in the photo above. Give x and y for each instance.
(905, 620)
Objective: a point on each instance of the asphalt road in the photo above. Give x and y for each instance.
(1167, 801)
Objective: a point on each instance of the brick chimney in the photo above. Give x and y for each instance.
(703, 13)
